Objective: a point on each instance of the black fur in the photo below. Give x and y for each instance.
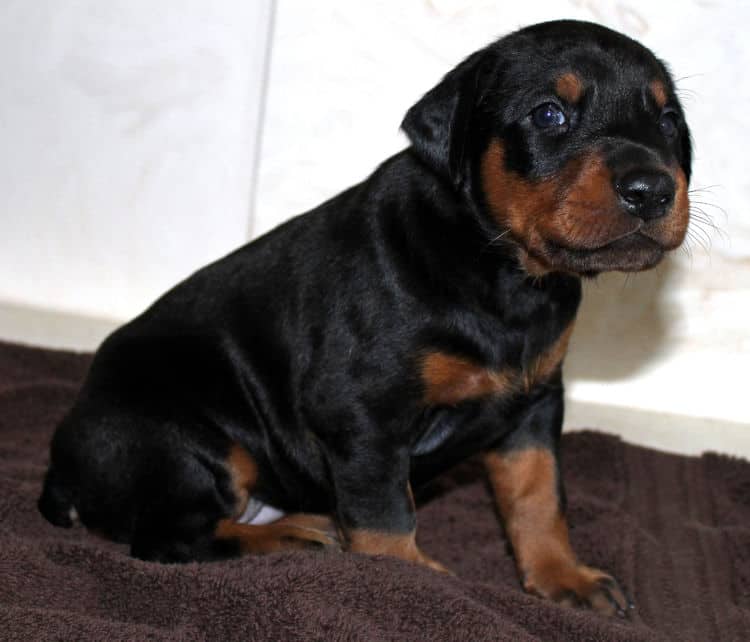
(304, 346)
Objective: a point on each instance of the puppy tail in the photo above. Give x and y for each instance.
(56, 501)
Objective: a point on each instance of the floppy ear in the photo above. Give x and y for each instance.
(438, 124)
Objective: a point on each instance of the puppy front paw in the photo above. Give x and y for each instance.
(579, 586)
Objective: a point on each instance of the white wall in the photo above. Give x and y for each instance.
(128, 133)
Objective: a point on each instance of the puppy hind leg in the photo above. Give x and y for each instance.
(293, 532)
(288, 533)
(183, 495)
(194, 507)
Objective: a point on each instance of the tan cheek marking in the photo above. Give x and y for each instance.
(659, 92)
(449, 380)
(678, 219)
(589, 215)
(244, 473)
(545, 365)
(513, 201)
(670, 230)
(569, 87)
(577, 207)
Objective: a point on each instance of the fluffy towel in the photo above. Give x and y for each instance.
(674, 530)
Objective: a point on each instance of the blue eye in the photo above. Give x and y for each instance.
(548, 115)
(668, 124)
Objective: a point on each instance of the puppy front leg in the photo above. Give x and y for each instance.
(375, 508)
(524, 475)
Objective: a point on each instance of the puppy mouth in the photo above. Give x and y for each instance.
(631, 252)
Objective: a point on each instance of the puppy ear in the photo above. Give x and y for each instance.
(438, 125)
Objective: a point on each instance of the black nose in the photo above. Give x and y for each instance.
(646, 194)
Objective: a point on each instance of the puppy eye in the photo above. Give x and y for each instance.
(548, 115)
(668, 124)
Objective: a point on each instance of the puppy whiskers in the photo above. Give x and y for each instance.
(499, 237)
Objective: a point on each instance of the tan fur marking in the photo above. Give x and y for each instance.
(569, 87)
(544, 366)
(524, 484)
(659, 92)
(244, 473)
(410, 493)
(525, 487)
(532, 266)
(297, 531)
(449, 379)
(670, 230)
(576, 208)
(400, 545)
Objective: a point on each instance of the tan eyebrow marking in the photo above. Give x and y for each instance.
(659, 92)
(569, 87)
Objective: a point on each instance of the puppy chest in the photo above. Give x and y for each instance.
(451, 379)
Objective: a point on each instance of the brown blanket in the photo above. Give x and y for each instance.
(674, 530)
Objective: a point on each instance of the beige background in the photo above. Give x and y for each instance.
(141, 141)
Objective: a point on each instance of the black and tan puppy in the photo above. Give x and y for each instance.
(417, 318)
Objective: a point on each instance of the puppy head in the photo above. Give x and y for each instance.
(571, 140)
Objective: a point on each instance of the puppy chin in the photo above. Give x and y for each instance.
(633, 253)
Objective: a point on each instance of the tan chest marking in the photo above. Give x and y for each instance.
(545, 365)
(450, 379)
